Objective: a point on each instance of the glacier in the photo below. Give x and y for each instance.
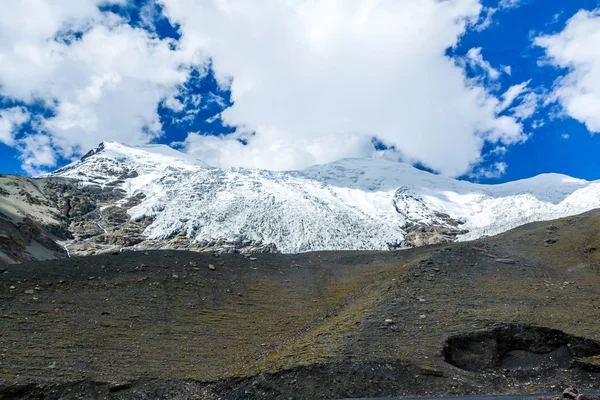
(351, 204)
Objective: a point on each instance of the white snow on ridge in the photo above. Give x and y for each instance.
(352, 204)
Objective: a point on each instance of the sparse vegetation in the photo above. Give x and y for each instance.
(328, 325)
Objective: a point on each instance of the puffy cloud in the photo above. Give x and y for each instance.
(27, 28)
(316, 80)
(10, 120)
(37, 153)
(117, 76)
(576, 49)
(265, 153)
(101, 77)
(311, 81)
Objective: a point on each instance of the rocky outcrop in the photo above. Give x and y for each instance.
(120, 198)
(423, 235)
(53, 217)
(60, 217)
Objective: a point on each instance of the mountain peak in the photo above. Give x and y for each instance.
(351, 204)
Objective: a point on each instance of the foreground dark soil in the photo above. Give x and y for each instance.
(517, 313)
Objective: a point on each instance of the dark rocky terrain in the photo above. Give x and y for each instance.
(516, 313)
(52, 218)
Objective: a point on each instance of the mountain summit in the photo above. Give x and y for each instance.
(120, 198)
(352, 204)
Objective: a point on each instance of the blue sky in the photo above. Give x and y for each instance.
(508, 42)
(183, 97)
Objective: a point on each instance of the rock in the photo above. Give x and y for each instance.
(12, 288)
(193, 264)
(505, 261)
(175, 276)
(117, 387)
(211, 267)
(29, 291)
(589, 249)
(252, 259)
(570, 393)
(388, 321)
(551, 241)
(422, 316)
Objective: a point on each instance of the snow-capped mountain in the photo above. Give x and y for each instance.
(352, 204)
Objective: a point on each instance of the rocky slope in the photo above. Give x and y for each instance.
(119, 198)
(515, 314)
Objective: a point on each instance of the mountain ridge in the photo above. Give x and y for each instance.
(155, 197)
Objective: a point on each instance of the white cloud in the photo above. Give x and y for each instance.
(486, 19)
(527, 107)
(511, 95)
(495, 170)
(576, 48)
(507, 70)
(121, 75)
(556, 17)
(528, 101)
(538, 123)
(174, 104)
(37, 153)
(317, 79)
(565, 136)
(475, 59)
(312, 81)
(10, 120)
(507, 4)
(500, 150)
(105, 86)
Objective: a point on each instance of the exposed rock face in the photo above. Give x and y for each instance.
(121, 198)
(423, 235)
(51, 217)
(30, 221)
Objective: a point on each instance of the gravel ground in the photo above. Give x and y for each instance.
(185, 325)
